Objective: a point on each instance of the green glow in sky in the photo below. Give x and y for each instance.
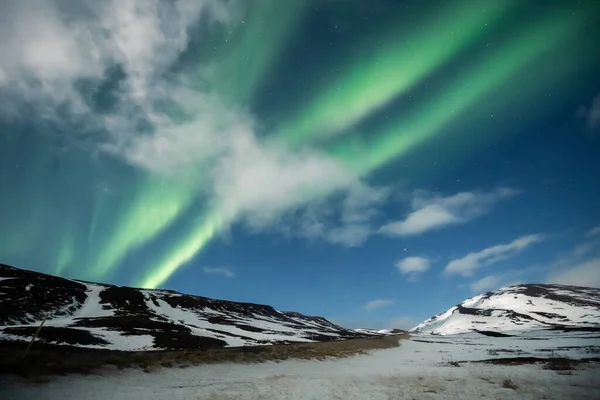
(463, 92)
(153, 207)
(255, 47)
(183, 251)
(384, 96)
(400, 62)
(407, 131)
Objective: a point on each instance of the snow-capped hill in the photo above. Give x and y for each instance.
(374, 331)
(520, 308)
(86, 314)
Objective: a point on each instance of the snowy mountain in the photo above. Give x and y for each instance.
(374, 331)
(520, 308)
(93, 315)
(379, 332)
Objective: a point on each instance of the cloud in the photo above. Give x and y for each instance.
(377, 304)
(54, 54)
(432, 212)
(591, 114)
(581, 267)
(348, 225)
(593, 232)
(58, 55)
(486, 283)
(413, 266)
(466, 265)
(226, 272)
(586, 273)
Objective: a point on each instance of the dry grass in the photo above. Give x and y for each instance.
(509, 384)
(55, 360)
(560, 364)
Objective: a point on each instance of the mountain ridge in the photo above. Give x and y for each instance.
(520, 307)
(95, 315)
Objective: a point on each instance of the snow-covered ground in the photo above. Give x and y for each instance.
(421, 368)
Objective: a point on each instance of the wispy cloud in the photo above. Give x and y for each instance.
(352, 224)
(226, 272)
(501, 279)
(486, 283)
(593, 232)
(413, 266)
(377, 304)
(466, 265)
(581, 267)
(584, 273)
(57, 58)
(432, 212)
(54, 54)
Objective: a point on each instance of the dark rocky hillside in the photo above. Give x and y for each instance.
(92, 315)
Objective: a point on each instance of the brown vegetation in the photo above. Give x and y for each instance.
(560, 364)
(45, 360)
(509, 384)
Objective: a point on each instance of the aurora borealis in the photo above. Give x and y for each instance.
(144, 140)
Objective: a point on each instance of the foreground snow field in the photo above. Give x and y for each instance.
(423, 367)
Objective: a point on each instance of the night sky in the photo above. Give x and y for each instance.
(373, 162)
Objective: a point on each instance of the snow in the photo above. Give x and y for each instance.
(374, 331)
(419, 369)
(532, 312)
(91, 307)
(200, 326)
(235, 328)
(122, 342)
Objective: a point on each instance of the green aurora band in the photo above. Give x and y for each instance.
(154, 206)
(136, 210)
(465, 91)
(252, 50)
(394, 68)
(402, 135)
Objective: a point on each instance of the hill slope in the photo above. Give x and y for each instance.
(519, 308)
(95, 315)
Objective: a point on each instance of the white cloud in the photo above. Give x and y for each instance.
(257, 182)
(585, 273)
(413, 264)
(593, 232)
(581, 267)
(50, 47)
(377, 304)
(466, 265)
(226, 272)
(431, 212)
(485, 284)
(412, 267)
(353, 223)
(349, 235)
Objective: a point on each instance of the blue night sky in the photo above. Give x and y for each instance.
(370, 162)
